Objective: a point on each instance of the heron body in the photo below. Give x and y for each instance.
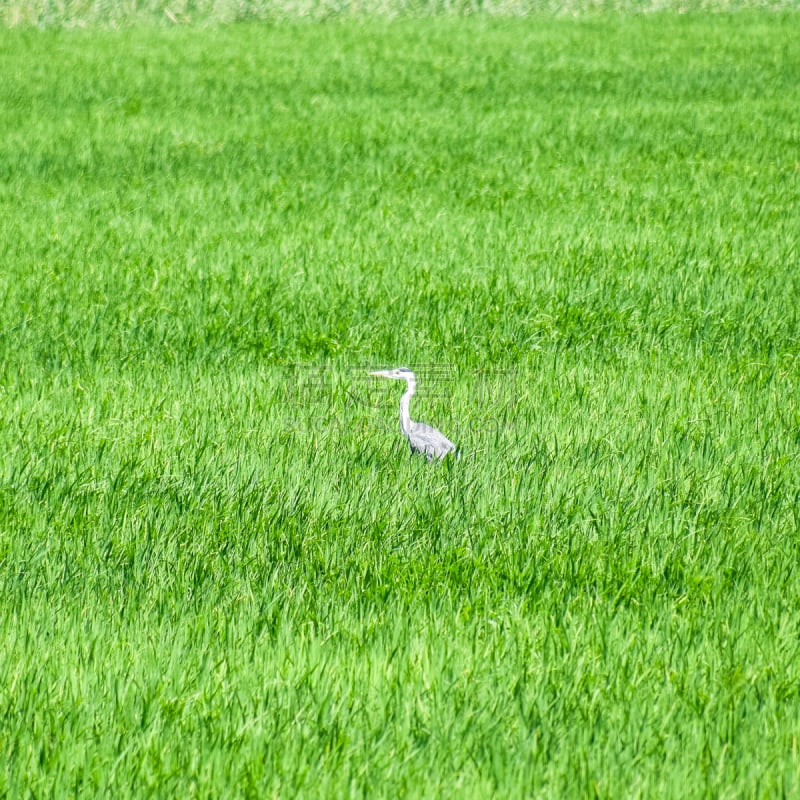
(421, 438)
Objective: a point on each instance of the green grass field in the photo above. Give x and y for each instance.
(221, 573)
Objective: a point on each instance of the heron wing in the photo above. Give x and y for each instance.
(430, 442)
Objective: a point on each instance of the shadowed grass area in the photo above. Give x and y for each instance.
(222, 575)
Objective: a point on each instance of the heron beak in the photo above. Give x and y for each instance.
(379, 374)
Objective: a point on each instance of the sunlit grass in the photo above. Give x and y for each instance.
(171, 13)
(222, 573)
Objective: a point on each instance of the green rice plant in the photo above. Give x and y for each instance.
(223, 574)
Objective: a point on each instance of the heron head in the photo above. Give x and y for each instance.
(401, 374)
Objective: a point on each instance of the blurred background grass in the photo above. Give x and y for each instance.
(115, 13)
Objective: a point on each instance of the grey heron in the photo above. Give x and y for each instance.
(422, 438)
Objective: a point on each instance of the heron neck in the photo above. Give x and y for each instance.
(405, 416)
